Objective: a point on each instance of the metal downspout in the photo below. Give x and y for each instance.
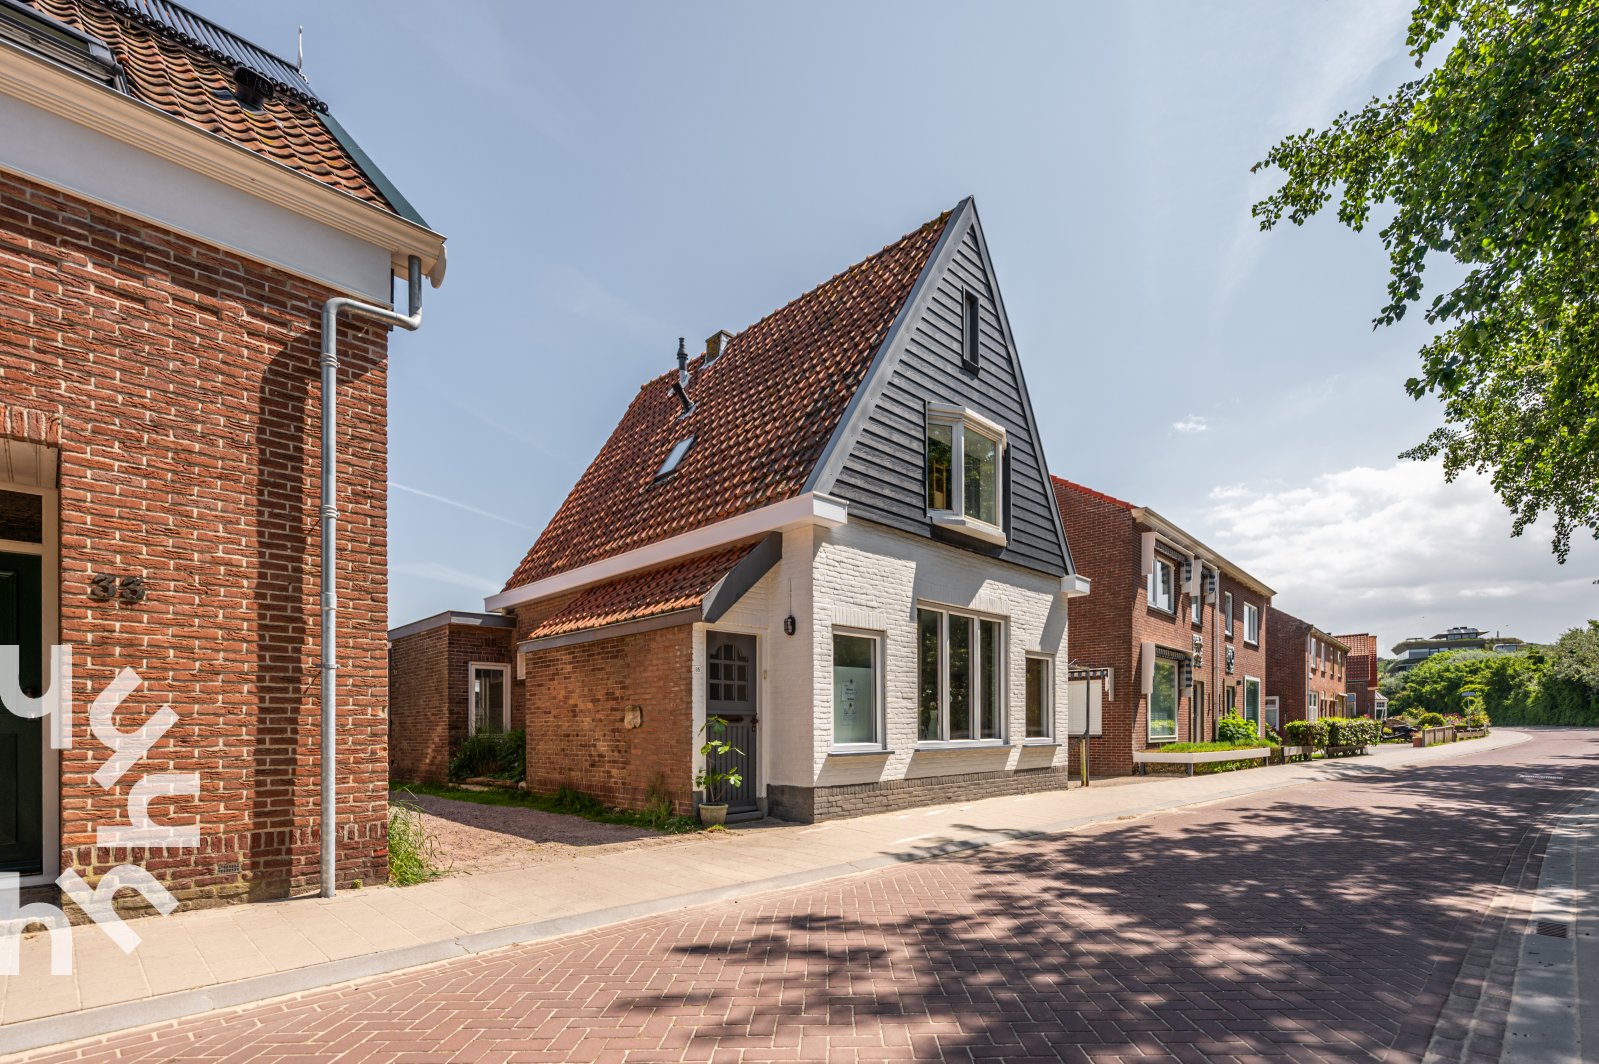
(330, 484)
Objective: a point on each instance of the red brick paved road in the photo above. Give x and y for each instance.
(1323, 922)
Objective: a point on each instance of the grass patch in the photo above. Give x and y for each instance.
(657, 817)
(413, 857)
(1209, 748)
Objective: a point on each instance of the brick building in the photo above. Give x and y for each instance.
(1177, 631)
(1361, 696)
(833, 530)
(173, 216)
(1305, 669)
(458, 681)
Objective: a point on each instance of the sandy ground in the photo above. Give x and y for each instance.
(477, 838)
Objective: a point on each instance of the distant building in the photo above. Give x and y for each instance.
(1305, 670)
(1416, 649)
(1360, 676)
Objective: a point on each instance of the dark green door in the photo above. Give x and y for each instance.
(21, 749)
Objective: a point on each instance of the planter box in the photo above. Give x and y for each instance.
(1303, 753)
(1434, 736)
(1344, 751)
(1470, 733)
(1143, 758)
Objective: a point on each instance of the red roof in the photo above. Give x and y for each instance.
(188, 84)
(763, 414)
(668, 589)
(1060, 483)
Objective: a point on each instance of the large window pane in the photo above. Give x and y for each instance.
(960, 677)
(981, 485)
(489, 698)
(854, 689)
(1037, 698)
(1252, 700)
(991, 665)
(928, 639)
(940, 459)
(1163, 701)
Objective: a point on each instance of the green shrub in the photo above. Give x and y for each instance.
(1352, 731)
(1209, 748)
(502, 755)
(1429, 720)
(413, 857)
(1477, 718)
(1235, 729)
(1306, 732)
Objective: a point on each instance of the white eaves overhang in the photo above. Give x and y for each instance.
(1183, 542)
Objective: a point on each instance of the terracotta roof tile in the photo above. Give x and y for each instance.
(679, 586)
(763, 412)
(188, 84)
(1061, 485)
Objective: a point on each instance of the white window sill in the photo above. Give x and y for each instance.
(1041, 740)
(930, 746)
(962, 525)
(859, 750)
(1165, 739)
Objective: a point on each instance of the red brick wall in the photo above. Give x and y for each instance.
(575, 703)
(1361, 677)
(185, 378)
(1290, 676)
(419, 718)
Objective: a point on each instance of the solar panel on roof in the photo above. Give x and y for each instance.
(184, 25)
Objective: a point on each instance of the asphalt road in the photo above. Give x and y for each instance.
(1328, 921)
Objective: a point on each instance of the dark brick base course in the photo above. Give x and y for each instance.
(807, 805)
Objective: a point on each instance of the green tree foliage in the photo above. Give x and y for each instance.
(1514, 688)
(1575, 656)
(1490, 158)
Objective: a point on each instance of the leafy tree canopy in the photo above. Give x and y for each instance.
(1489, 157)
(1575, 656)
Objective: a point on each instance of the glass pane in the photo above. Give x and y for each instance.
(981, 487)
(940, 457)
(927, 640)
(1037, 686)
(490, 695)
(22, 517)
(854, 689)
(1252, 700)
(1163, 701)
(992, 667)
(960, 677)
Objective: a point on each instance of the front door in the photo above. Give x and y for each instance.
(731, 681)
(21, 740)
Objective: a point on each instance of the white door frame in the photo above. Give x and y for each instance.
(49, 553)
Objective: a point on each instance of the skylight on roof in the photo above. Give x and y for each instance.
(675, 456)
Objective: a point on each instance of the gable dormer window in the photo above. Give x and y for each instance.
(965, 473)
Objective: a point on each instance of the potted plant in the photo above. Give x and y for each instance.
(712, 783)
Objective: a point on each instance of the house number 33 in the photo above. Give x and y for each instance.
(104, 587)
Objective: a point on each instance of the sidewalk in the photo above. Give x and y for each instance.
(195, 962)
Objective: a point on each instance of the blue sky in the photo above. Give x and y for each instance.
(612, 176)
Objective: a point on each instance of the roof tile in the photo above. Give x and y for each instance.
(667, 589)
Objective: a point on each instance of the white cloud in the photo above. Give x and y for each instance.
(1400, 552)
(1191, 424)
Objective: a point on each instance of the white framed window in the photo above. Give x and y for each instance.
(1252, 700)
(1040, 704)
(1163, 585)
(857, 689)
(960, 677)
(1251, 624)
(488, 686)
(1163, 702)
(1272, 715)
(965, 473)
(1227, 613)
(1313, 706)
(1196, 608)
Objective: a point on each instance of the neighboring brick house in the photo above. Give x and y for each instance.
(1180, 629)
(833, 530)
(1305, 669)
(457, 672)
(173, 217)
(1361, 696)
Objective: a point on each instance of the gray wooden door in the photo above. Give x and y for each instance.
(731, 682)
(21, 740)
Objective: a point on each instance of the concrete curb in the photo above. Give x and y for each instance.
(54, 1031)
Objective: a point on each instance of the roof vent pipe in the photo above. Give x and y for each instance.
(680, 386)
(329, 560)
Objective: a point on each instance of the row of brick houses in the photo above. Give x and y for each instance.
(836, 531)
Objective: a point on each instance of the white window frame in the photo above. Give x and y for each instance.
(959, 419)
(1154, 583)
(1312, 705)
(1049, 698)
(878, 640)
(1177, 702)
(471, 693)
(1227, 612)
(1252, 623)
(944, 742)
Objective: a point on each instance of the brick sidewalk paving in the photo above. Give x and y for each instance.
(1325, 922)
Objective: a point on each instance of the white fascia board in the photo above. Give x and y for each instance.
(1181, 541)
(1074, 586)
(70, 96)
(812, 508)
